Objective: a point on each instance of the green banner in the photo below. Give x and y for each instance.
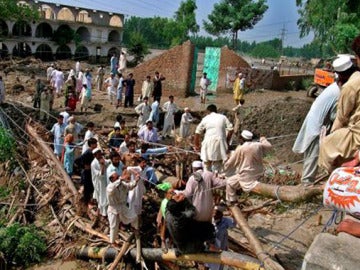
(212, 65)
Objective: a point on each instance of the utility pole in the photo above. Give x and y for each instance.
(282, 38)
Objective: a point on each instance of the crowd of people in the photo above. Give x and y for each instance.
(115, 177)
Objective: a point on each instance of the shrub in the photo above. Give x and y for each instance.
(22, 245)
(7, 145)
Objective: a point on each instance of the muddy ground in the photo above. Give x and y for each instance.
(274, 114)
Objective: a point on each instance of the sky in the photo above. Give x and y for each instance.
(281, 14)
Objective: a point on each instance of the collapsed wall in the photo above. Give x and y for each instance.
(175, 64)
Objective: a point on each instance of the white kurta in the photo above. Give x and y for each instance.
(170, 109)
(58, 132)
(99, 183)
(48, 73)
(118, 211)
(318, 115)
(135, 195)
(214, 145)
(59, 81)
(122, 62)
(146, 88)
(112, 84)
(143, 110)
(186, 120)
(88, 134)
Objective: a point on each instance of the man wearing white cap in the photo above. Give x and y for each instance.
(148, 133)
(321, 114)
(117, 194)
(98, 174)
(186, 120)
(199, 191)
(204, 84)
(247, 164)
(218, 131)
(344, 140)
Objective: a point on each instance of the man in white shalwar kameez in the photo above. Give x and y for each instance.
(186, 120)
(143, 110)
(218, 131)
(147, 87)
(59, 81)
(322, 113)
(98, 174)
(49, 71)
(111, 83)
(122, 62)
(117, 193)
(170, 108)
(58, 130)
(135, 195)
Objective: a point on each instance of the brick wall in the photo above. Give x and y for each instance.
(175, 64)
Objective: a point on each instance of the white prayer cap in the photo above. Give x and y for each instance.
(97, 149)
(71, 118)
(342, 63)
(111, 174)
(117, 124)
(220, 208)
(148, 121)
(240, 74)
(186, 109)
(247, 135)
(197, 164)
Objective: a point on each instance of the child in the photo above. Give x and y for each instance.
(71, 102)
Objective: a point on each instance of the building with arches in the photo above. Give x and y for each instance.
(98, 34)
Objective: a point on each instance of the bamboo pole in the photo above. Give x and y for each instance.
(48, 152)
(254, 241)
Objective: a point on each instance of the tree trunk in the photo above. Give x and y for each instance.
(287, 193)
(156, 254)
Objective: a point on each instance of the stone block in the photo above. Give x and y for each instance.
(333, 253)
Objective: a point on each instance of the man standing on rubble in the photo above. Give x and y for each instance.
(215, 143)
(170, 108)
(58, 130)
(321, 114)
(247, 164)
(199, 191)
(344, 140)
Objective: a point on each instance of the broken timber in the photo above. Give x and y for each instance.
(254, 241)
(46, 150)
(156, 254)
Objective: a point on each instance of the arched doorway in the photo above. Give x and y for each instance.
(81, 53)
(83, 33)
(65, 14)
(116, 21)
(114, 36)
(4, 51)
(43, 30)
(22, 49)
(112, 51)
(44, 52)
(4, 29)
(63, 52)
(21, 29)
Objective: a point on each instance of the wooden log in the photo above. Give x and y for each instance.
(254, 241)
(287, 193)
(124, 248)
(155, 254)
(21, 210)
(49, 153)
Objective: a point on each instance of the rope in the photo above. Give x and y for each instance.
(295, 229)
(333, 219)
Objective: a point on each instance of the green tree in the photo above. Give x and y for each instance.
(185, 15)
(65, 35)
(233, 16)
(333, 22)
(10, 9)
(138, 47)
(265, 50)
